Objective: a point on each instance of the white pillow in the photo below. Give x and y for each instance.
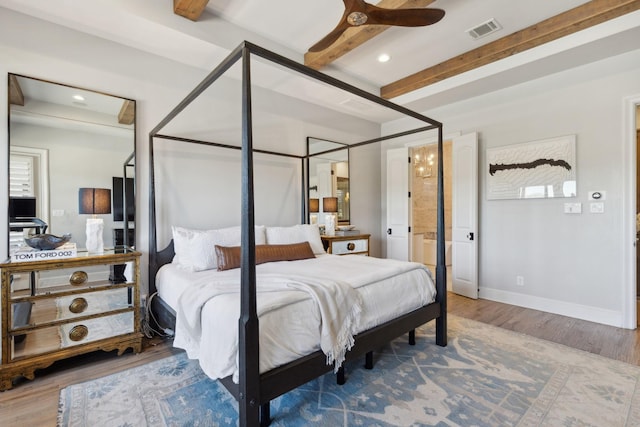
(195, 249)
(296, 234)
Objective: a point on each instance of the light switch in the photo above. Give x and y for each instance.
(596, 207)
(573, 208)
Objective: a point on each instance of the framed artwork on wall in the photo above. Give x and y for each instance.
(537, 169)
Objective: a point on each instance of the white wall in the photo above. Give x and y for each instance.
(571, 264)
(43, 50)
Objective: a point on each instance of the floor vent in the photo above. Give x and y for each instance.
(484, 29)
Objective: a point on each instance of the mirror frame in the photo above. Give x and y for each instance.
(127, 114)
(339, 146)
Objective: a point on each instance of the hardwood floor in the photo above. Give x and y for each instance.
(607, 341)
(35, 403)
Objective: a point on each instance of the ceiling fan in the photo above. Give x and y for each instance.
(358, 13)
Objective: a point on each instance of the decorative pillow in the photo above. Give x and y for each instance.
(195, 249)
(229, 256)
(296, 234)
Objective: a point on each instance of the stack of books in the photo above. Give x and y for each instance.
(68, 250)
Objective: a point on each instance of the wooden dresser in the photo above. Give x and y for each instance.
(346, 245)
(54, 309)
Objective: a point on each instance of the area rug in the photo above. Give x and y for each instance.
(486, 376)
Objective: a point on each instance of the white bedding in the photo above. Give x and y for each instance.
(290, 325)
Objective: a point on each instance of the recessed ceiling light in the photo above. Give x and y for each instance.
(78, 97)
(384, 57)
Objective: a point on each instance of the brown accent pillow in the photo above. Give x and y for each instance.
(229, 256)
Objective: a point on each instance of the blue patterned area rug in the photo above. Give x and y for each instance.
(486, 376)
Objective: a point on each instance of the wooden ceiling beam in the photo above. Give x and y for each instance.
(190, 9)
(356, 36)
(16, 96)
(579, 18)
(127, 113)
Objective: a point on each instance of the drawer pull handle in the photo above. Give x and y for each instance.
(78, 278)
(78, 305)
(351, 246)
(78, 332)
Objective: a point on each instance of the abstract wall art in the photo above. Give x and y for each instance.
(537, 169)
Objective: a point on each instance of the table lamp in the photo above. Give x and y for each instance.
(94, 201)
(330, 208)
(314, 208)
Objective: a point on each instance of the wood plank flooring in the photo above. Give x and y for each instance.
(35, 403)
(607, 341)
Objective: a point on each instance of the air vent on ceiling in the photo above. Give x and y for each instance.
(484, 29)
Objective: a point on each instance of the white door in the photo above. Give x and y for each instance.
(398, 204)
(464, 270)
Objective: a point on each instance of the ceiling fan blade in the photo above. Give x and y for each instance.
(403, 17)
(330, 38)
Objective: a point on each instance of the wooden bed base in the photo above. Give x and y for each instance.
(254, 390)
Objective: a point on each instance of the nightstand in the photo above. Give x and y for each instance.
(55, 309)
(346, 245)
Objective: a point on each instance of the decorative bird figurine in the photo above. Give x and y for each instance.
(47, 241)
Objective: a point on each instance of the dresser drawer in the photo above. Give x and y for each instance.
(62, 308)
(49, 339)
(350, 246)
(47, 282)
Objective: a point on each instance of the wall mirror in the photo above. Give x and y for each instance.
(328, 177)
(61, 139)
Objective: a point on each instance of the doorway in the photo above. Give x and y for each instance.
(424, 190)
(410, 239)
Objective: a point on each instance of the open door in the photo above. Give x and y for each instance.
(398, 204)
(464, 270)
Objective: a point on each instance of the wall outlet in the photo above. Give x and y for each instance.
(519, 281)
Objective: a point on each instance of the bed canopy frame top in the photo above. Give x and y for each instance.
(254, 390)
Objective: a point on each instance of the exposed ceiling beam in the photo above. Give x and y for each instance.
(355, 36)
(589, 14)
(127, 113)
(15, 92)
(191, 9)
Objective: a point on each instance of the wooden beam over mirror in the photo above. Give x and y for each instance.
(15, 91)
(589, 14)
(356, 36)
(190, 9)
(127, 113)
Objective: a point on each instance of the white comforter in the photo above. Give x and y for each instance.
(297, 316)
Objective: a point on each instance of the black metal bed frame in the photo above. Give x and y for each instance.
(254, 391)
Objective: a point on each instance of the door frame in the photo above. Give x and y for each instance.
(629, 314)
(420, 143)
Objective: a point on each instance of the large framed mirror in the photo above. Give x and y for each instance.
(63, 139)
(328, 178)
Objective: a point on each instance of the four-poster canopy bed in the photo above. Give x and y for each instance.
(254, 386)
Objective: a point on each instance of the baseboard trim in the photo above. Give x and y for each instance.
(578, 311)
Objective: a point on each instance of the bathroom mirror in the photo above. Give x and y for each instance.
(328, 176)
(61, 139)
